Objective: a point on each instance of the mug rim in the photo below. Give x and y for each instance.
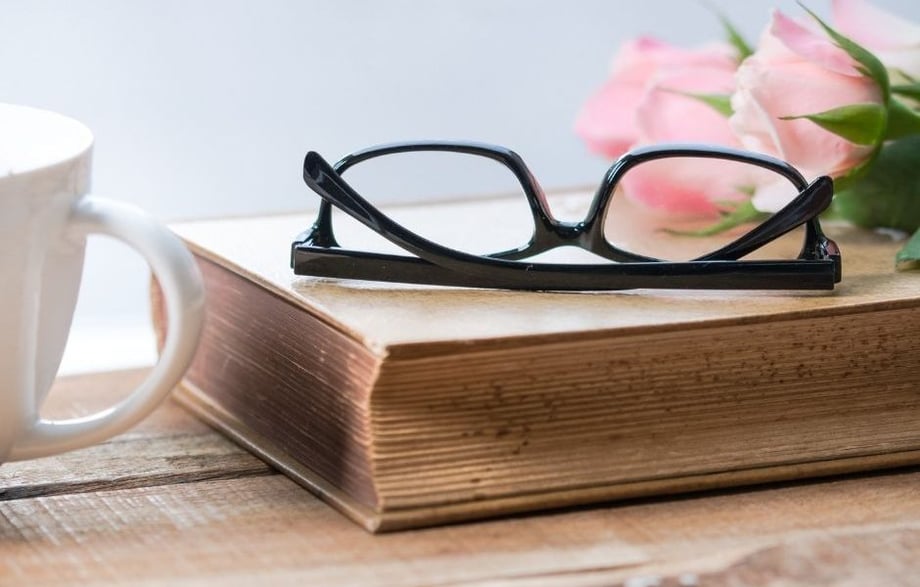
(34, 140)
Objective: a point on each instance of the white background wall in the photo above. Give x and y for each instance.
(204, 108)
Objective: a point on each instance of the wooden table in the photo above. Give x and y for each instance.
(173, 502)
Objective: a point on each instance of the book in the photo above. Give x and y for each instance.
(406, 405)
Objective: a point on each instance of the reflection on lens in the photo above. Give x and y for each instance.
(671, 208)
(488, 209)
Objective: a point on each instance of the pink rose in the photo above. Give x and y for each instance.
(691, 187)
(686, 186)
(895, 41)
(642, 100)
(798, 71)
(646, 101)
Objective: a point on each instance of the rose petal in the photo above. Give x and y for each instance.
(639, 60)
(812, 46)
(895, 41)
(607, 122)
(686, 185)
(871, 26)
(661, 185)
(668, 114)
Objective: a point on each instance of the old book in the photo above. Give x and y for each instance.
(406, 405)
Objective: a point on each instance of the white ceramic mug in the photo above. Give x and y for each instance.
(45, 216)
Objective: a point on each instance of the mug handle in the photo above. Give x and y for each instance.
(180, 280)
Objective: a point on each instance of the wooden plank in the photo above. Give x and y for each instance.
(872, 557)
(170, 446)
(157, 522)
(267, 529)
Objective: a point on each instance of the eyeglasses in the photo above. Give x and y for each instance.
(623, 265)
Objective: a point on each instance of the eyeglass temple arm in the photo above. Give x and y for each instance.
(322, 178)
(813, 200)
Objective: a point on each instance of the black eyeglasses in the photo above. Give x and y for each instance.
(626, 265)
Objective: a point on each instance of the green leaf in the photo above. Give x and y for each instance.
(734, 37)
(902, 120)
(869, 64)
(743, 213)
(908, 258)
(888, 194)
(863, 124)
(911, 90)
(721, 103)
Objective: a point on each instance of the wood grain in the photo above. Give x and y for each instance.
(239, 531)
(168, 526)
(170, 446)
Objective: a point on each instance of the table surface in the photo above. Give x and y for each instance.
(173, 502)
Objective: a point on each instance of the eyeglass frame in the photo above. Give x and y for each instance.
(316, 252)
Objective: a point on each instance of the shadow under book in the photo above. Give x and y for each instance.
(406, 406)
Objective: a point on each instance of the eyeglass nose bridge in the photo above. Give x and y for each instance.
(567, 232)
(558, 233)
